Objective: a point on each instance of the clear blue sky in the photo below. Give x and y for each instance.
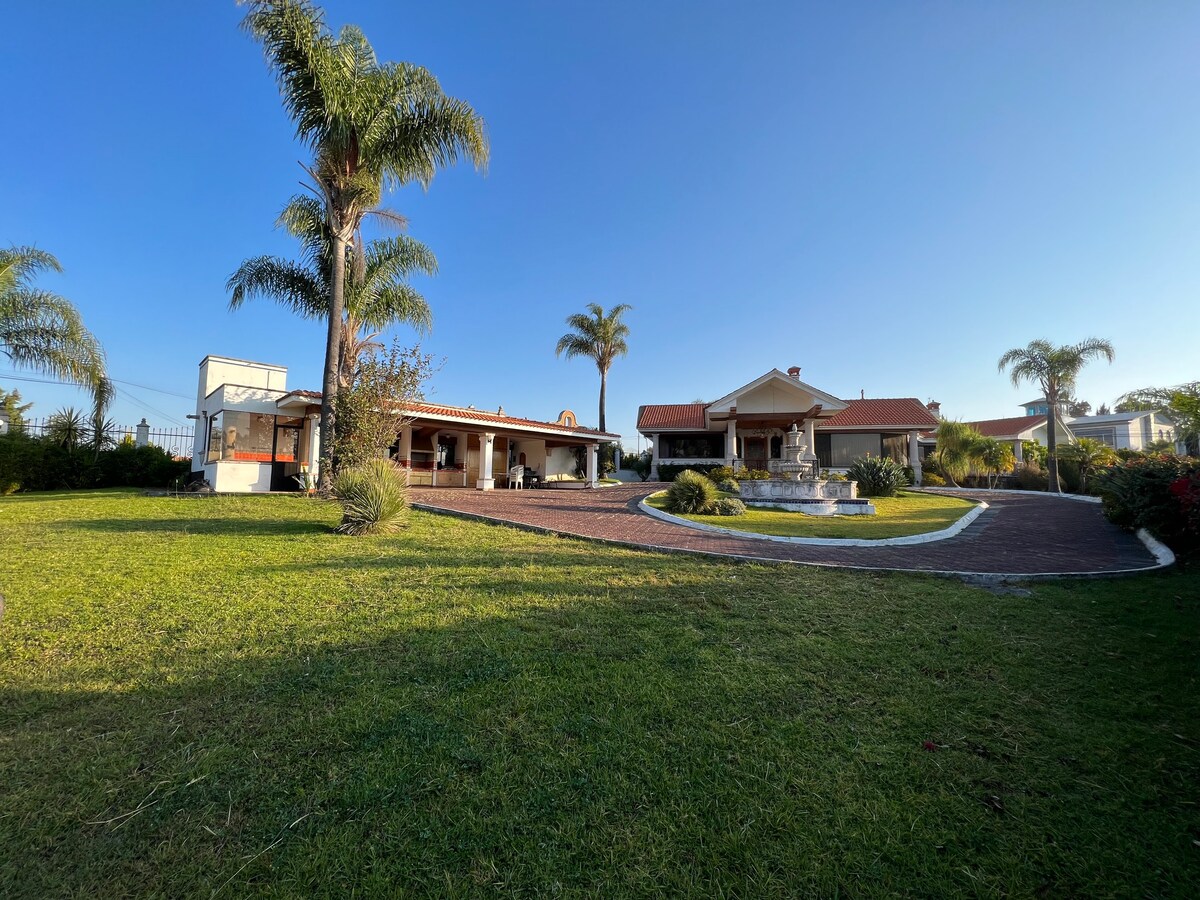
(888, 195)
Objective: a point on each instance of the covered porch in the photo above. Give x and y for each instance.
(444, 446)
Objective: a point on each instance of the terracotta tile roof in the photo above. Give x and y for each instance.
(312, 395)
(889, 413)
(479, 415)
(1009, 427)
(482, 415)
(672, 415)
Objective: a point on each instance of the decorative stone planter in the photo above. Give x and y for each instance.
(809, 495)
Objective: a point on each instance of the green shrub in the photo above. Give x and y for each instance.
(691, 493)
(932, 479)
(721, 473)
(832, 476)
(1032, 478)
(728, 485)
(129, 466)
(1159, 493)
(877, 476)
(668, 471)
(754, 475)
(641, 464)
(728, 506)
(373, 497)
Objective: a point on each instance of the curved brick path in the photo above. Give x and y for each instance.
(1021, 534)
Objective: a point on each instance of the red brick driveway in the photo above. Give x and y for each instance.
(1021, 534)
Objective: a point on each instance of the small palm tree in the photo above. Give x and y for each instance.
(68, 428)
(378, 294)
(600, 337)
(44, 331)
(1054, 370)
(1089, 454)
(960, 449)
(370, 126)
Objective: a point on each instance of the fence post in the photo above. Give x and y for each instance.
(143, 433)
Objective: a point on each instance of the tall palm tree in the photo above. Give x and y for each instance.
(378, 294)
(1054, 369)
(371, 126)
(43, 331)
(600, 337)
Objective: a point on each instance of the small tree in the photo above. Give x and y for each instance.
(14, 410)
(1034, 453)
(1090, 455)
(373, 409)
(642, 464)
(959, 446)
(996, 458)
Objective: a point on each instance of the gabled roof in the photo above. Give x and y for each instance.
(1011, 427)
(829, 402)
(897, 412)
(672, 415)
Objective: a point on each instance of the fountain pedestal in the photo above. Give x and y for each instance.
(799, 487)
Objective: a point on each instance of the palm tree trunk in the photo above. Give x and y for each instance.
(603, 390)
(1052, 442)
(333, 344)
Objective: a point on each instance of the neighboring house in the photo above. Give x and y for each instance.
(745, 428)
(254, 435)
(1016, 429)
(1126, 431)
(1041, 407)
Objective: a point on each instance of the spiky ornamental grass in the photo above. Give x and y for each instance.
(691, 493)
(373, 496)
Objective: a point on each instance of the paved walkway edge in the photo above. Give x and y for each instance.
(907, 540)
(1162, 553)
(971, 577)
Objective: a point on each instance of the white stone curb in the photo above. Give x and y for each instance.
(926, 538)
(1081, 498)
(1162, 553)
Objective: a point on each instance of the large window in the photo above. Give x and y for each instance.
(693, 446)
(241, 437)
(839, 450)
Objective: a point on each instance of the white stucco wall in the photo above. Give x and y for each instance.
(238, 477)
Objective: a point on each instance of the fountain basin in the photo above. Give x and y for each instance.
(811, 496)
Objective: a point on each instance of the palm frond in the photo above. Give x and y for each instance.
(293, 285)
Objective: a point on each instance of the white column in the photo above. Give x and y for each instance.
(731, 443)
(314, 445)
(654, 457)
(486, 446)
(914, 454)
(404, 454)
(142, 437)
(593, 464)
(810, 438)
(1019, 451)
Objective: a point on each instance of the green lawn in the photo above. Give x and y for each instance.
(220, 696)
(900, 516)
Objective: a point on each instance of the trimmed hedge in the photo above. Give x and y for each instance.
(37, 464)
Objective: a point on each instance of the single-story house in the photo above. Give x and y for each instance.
(745, 428)
(1016, 429)
(253, 434)
(1126, 431)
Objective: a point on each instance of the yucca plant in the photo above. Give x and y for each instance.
(877, 476)
(691, 493)
(373, 497)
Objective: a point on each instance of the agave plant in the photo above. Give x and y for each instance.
(373, 497)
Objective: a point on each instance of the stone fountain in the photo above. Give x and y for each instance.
(799, 487)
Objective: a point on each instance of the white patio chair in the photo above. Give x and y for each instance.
(516, 475)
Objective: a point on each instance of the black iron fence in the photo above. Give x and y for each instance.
(176, 441)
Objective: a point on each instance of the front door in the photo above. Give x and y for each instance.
(285, 464)
(755, 453)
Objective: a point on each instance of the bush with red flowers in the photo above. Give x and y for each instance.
(1158, 493)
